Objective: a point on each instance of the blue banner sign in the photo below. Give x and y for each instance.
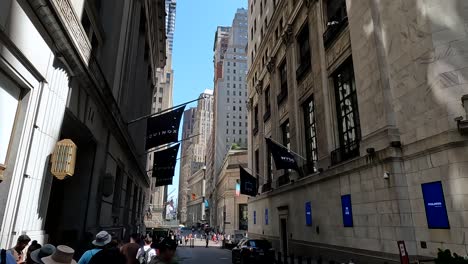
(266, 216)
(347, 210)
(434, 202)
(308, 213)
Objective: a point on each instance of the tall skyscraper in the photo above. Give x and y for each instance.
(230, 89)
(194, 149)
(185, 164)
(170, 23)
(230, 93)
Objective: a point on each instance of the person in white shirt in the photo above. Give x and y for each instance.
(146, 252)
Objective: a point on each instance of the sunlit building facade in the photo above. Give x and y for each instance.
(369, 97)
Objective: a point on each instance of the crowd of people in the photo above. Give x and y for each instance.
(106, 249)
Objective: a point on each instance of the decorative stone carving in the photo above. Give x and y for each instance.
(77, 33)
(271, 65)
(287, 36)
(259, 87)
(249, 104)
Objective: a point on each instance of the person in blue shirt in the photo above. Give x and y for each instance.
(102, 239)
(6, 257)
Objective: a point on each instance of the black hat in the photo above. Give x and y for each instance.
(168, 243)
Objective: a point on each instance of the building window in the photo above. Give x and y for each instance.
(283, 81)
(337, 20)
(160, 99)
(117, 192)
(227, 131)
(304, 53)
(233, 131)
(234, 108)
(267, 114)
(269, 166)
(310, 134)
(10, 95)
(227, 100)
(257, 163)
(240, 132)
(347, 113)
(285, 134)
(255, 130)
(161, 90)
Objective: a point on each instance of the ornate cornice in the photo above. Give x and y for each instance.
(68, 17)
(271, 65)
(287, 36)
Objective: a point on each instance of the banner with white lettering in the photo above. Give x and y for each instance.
(164, 162)
(283, 159)
(163, 181)
(164, 128)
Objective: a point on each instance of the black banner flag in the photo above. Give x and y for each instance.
(164, 128)
(163, 181)
(248, 183)
(283, 159)
(164, 162)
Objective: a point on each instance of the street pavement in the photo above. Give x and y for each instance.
(202, 255)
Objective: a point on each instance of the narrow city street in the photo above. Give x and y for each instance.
(199, 254)
(291, 131)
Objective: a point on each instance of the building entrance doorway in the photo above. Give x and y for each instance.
(284, 235)
(67, 210)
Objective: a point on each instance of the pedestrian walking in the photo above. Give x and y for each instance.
(37, 255)
(62, 255)
(17, 251)
(207, 240)
(167, 250)
(130, 249)
(102, 240)
(146, 253)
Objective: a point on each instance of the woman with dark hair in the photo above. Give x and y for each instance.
(34, 245)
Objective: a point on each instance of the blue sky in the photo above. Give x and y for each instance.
(196, 22)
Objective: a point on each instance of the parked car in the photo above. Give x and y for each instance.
(253, 251)
(236, 238)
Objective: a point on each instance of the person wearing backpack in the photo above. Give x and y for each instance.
(146, 253)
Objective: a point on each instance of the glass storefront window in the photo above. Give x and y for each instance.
(9, 98)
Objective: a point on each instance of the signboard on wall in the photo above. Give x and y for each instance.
(255, 217)
(434, 202)
(347, 210)
(308, 213)
(266, 216)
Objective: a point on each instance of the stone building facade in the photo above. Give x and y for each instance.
(185, 164)
(194, 148)
(366, 93)
(196, 198)
(162, 100)
(231, 209)
(76, 70)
